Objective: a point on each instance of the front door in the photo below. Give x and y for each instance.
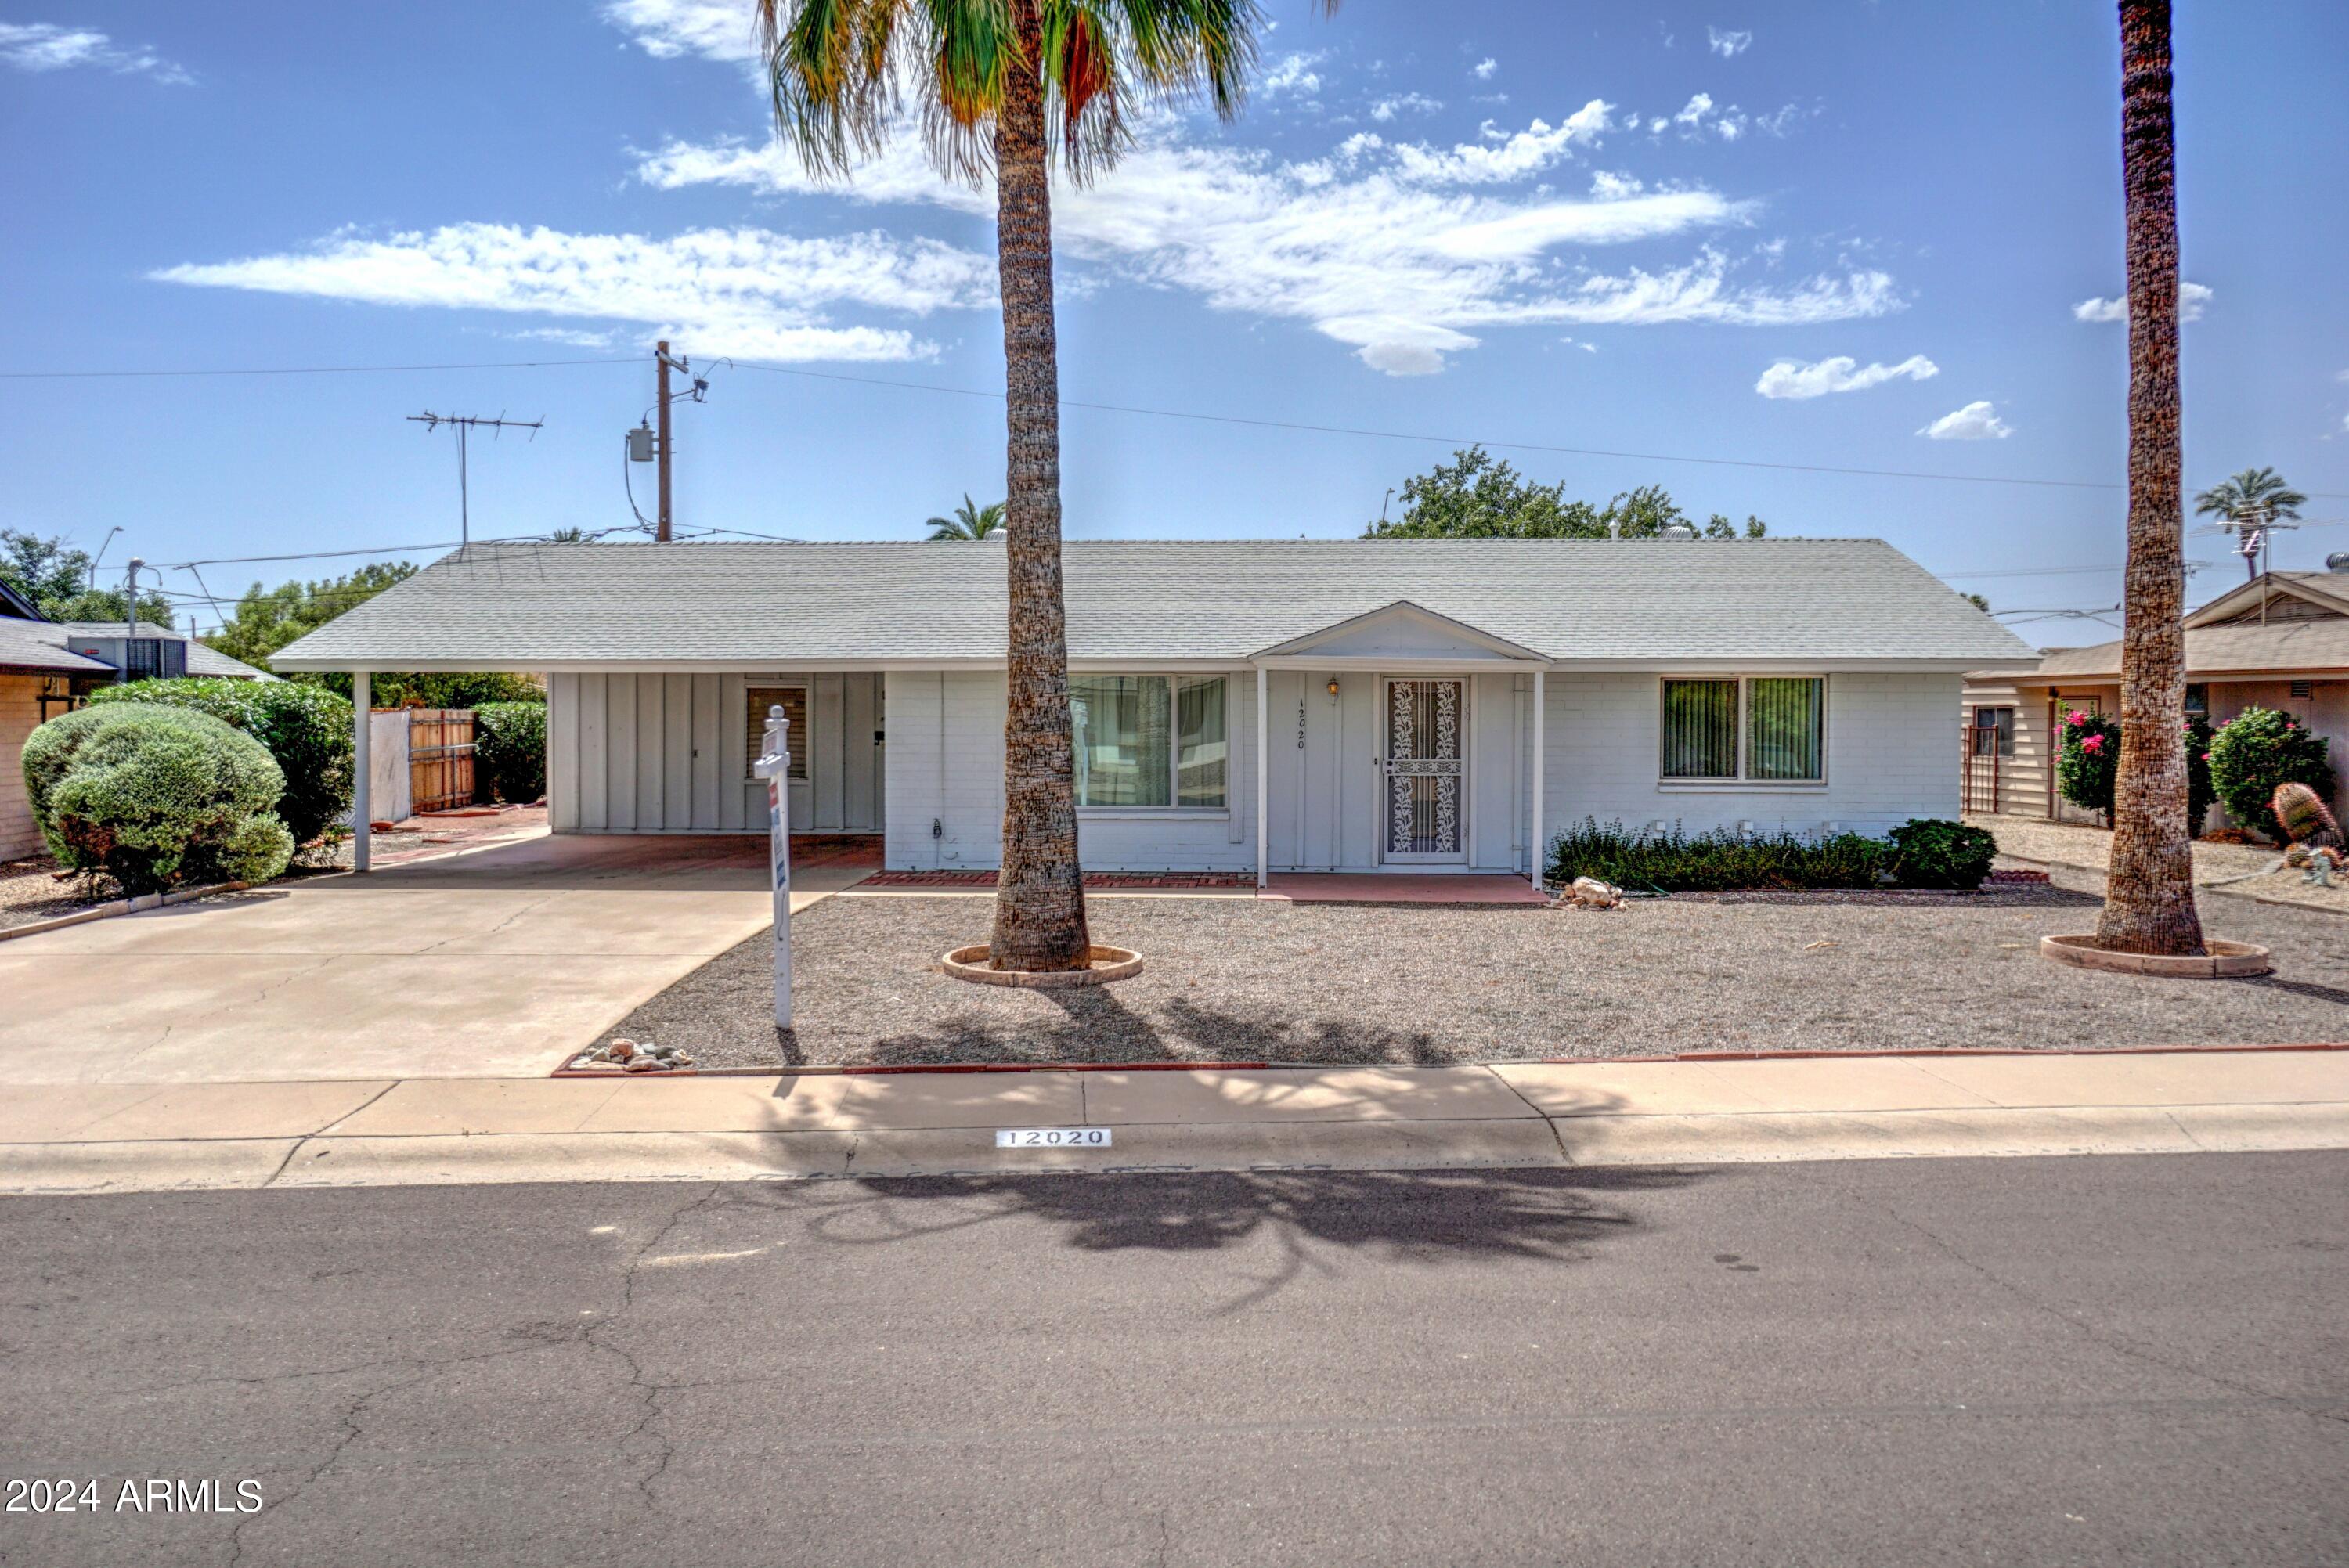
(1425, 764)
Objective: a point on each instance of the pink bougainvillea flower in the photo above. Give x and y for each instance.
(2076, 717)
(2206, 756)
(2093, 743)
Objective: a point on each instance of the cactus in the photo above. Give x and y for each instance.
(2304, 818)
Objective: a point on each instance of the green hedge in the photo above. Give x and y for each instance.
(2258, 749)
(1923, 853)
(509, 752)
(305, 728)
(154, 796)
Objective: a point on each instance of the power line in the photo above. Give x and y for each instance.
(299, 370)
(1237, 419)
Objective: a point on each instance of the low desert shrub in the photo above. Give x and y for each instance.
(306, 729)
(509, 752)
(154, 796)
(2255, 752)
(1930, 853)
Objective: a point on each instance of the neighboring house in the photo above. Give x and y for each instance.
(47, 668)
(2281, 641)
(1240, 705)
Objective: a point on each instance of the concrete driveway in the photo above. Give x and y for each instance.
(491, 963)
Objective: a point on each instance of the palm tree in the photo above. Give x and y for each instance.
(1002, 87)
(2149, 885)
(2249, 500)
(969, 521)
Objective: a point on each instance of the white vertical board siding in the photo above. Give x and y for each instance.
(1888, 758)
(944, 768)
(1493, 762)
(665, 754)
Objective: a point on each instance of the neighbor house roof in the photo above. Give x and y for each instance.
(39, 645)
(202, 660)
(2306, 633)
(17, 606)
(732, 605)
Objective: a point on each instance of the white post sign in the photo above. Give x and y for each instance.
(774, 765)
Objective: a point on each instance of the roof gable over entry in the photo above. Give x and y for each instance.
(1401, 633)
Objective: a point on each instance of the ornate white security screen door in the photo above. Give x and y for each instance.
(1426, 752)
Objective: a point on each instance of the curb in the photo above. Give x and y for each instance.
(135, 904)
(1258, 1148)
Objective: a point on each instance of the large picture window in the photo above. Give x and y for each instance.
(1151, 741)
(1764, 729)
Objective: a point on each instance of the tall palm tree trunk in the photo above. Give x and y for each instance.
(1040, 902)
(2149, 891)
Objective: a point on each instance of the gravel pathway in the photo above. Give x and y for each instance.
(1234, 979)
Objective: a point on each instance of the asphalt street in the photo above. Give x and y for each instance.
(2095, 1360)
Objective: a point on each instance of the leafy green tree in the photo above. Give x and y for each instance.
(267, 619)
(55, 576)
(1479, 496)
(1009, 87)
(969, 521)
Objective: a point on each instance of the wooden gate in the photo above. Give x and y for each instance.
(439, 757)
(1977, 771)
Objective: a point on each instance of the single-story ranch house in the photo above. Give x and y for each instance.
(2279, 641)
(1240, 706)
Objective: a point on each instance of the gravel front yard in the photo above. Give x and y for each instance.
(30, 891)
(1243, 979)
(2244, 868)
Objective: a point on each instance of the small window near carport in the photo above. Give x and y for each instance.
(2197, 701)
(1993, 732)
(792, 700)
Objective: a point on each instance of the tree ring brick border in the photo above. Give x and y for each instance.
(1108, 963)
(2225, 960)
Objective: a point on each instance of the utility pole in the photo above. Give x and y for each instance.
(660, 441)
(465, 424)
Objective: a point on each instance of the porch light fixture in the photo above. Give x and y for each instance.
(1333, 685)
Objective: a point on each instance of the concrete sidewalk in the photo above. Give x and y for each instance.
(93, 1137)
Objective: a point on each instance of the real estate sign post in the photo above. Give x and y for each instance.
(774, 765)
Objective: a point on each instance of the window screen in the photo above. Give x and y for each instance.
(1699, 730)
(758, 699)
(1783, 728)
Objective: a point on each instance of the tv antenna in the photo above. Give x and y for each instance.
(466, 423)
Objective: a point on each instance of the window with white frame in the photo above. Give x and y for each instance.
(1761, 729)
(1149, 742)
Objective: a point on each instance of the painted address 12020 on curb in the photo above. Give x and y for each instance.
(1052, 1138)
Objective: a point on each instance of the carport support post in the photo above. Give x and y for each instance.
(774, 765)
(362, 702)
(1263, 772)
(1541, 773)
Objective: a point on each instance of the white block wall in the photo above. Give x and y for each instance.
(1888, 758)
(945, 768)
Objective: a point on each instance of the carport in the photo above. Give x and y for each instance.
(492, 963)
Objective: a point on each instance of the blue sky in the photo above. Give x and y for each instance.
(1839, 233)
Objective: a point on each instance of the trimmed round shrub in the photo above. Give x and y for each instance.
(2258, 749)
(509, 751)
(307, 728)
(1933, 852)
(2089, 762)
(154, 796)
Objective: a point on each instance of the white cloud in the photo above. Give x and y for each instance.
(45, 46)
(1483, 71)
(1726, 44)
(723, 291)
(2192, 299)
(1387, 109)
(1401, 250)
(1974, 422)
(1612, 187)
(713, 29)
(1293, 74)
(1792, 378)
(1694, 114)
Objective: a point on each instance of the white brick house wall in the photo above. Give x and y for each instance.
(1887, 751)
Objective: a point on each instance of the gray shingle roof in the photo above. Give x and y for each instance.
(774, 605)
(39, 645)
